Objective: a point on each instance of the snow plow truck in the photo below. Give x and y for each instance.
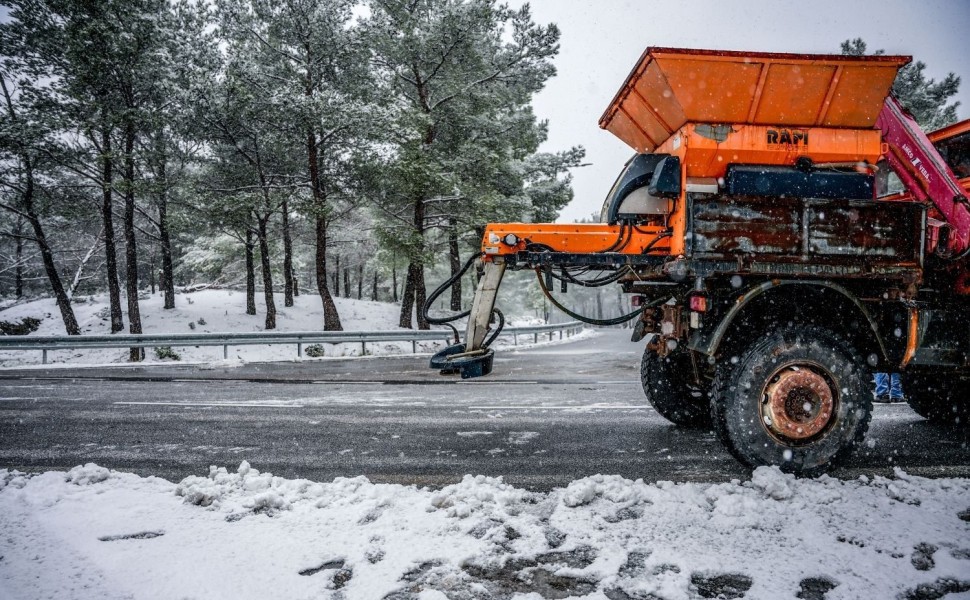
(771, 272)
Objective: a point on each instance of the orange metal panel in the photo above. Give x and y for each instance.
(653, 88)
(712, 92)
(756, 97)
(580, 238)
(859, 97)
(634, 137)
(654, 129)
(749, 144)
(676, 86)
(833, 85)
(949, 131)
(797, 91)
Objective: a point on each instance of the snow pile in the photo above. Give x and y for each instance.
(223, 311)
(480, 494)
(87, 474)
(248, 534)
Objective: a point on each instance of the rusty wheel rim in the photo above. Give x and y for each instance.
(799, 403)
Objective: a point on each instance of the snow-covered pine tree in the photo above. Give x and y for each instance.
(458, 77)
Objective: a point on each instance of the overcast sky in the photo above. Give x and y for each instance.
(601, 41)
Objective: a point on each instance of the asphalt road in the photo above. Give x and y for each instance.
(546, 416)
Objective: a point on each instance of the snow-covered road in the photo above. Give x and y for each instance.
(546, 416)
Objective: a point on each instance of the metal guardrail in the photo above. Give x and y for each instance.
(300, 338)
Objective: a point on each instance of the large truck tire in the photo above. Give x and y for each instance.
(798, 398)
(668, 383)
(938, 398)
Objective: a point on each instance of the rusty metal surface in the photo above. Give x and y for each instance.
(861, 234)
(798, 404)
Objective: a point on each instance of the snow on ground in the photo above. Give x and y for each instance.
(94, 533)
(221, 311)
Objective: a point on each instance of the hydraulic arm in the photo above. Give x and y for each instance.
(923, 171)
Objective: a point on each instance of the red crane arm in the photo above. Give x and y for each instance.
(923, 171)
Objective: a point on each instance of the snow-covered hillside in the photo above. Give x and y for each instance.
(92, 533)
(214, 310)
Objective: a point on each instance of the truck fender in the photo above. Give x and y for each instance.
(708, 340)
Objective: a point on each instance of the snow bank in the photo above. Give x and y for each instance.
(94, 533)
(220, 311)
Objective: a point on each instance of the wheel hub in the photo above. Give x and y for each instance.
(798, 404)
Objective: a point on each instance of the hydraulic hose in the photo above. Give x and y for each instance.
(449, 319)
(600, 322)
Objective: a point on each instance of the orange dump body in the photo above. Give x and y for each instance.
(671, 87)
(714, 108)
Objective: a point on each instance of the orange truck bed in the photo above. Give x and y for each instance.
(670, 87)
(712, 108)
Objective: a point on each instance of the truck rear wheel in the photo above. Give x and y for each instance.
(938, 398)
(669, 385)
(797, 398)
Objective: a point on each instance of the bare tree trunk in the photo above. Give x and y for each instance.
(79, 273)
(360, 281)
(151, 272)
(373, 293)
(289, 282)
(394, 281)
(131, 248)
(455, 264)
(331, 320)
(267, 274)
(296, 286)
(336, 275)
(19, 265)
(347, 282)
(407, 301)
(415, 292)
(420, 296)
(165, 240)
(63, 302)
(250, 274)
(107, 218)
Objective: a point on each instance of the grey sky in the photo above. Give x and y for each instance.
(602, 40)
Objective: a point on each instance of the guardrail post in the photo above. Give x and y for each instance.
(44, 359)
(225, 352)
(535, 338)
(299, 350)
(363, 348)
(414, 346)
(515, 339)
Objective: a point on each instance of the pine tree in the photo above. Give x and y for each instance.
(458, 76)
(28, 133)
